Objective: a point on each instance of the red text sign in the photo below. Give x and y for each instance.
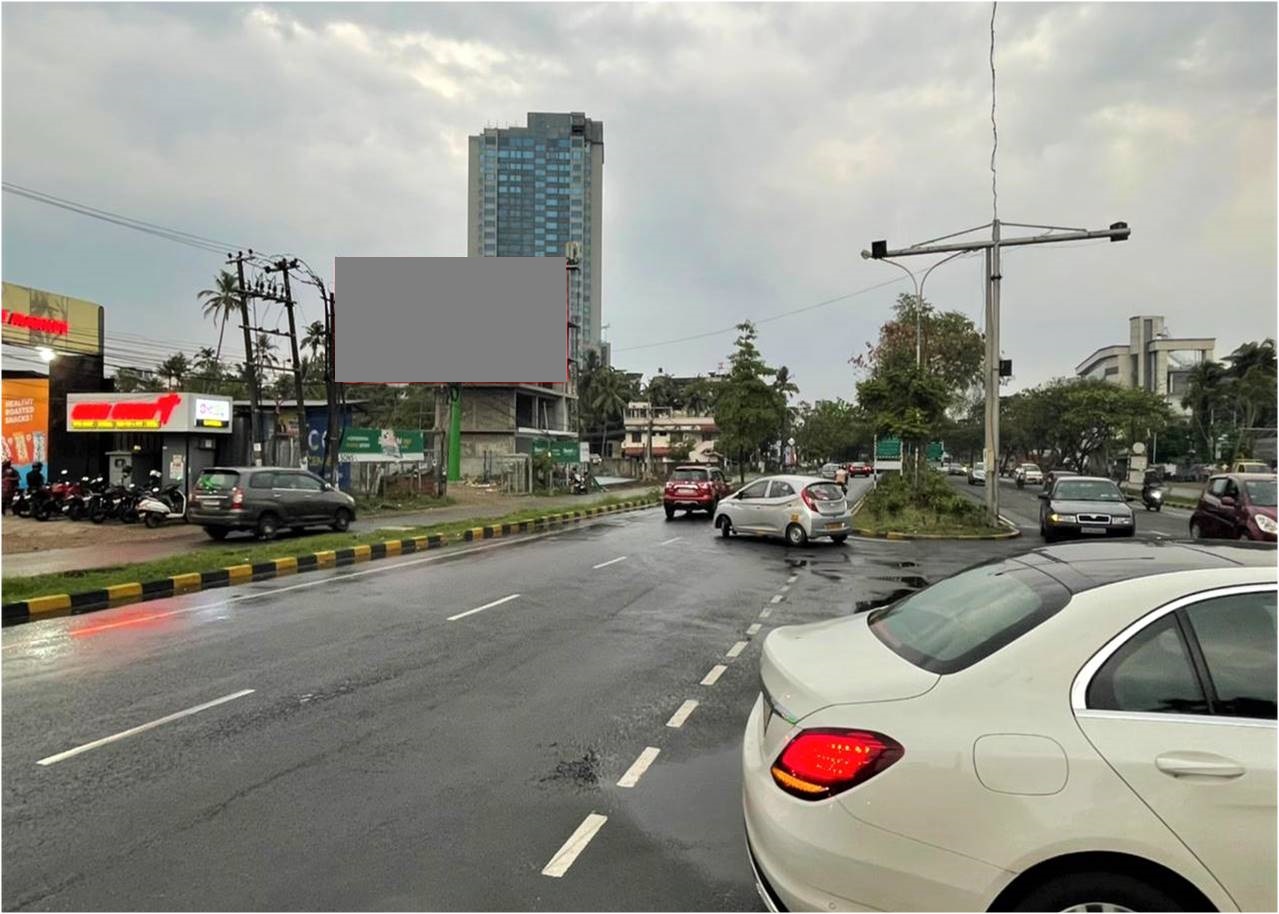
(48, 325)
(127, 414)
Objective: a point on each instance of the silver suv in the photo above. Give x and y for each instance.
(265, 500)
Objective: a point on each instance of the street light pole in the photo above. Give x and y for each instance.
(1050, 234)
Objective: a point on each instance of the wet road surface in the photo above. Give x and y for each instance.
(421, 733)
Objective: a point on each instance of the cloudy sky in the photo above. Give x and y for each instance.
(751, 152)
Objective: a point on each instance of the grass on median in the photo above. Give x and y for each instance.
(933, 507)
(212, 557)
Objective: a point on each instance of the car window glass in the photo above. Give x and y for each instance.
(1218, 486)
(1231, 490)
(1261, 492)
(825, 491)
(305, 483)
(755, 489)
(1150, 673)
(1237, 637)
(689, 475)
(215, 480)
(781, 489)
(1087, 490)
(262, 480)
(964, 618)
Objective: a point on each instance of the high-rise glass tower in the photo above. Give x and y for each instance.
(534, 189)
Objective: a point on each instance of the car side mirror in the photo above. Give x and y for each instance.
(1227, 501)
(328, 487)
(1043, 496)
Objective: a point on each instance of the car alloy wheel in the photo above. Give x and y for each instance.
(341, 520)
(725, 526)
(268, 526)
(1196, 532)
(795, 535)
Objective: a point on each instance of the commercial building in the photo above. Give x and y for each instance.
(531, 191)
(1152, 360)
(52, 349)
(668, 427)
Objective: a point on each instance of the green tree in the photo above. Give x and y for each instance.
(130, 380)
(174, 370)
(698, 396)
(905, 401)
(830, 430)
(1207, 399)
(221, 302)
(748, 407)
(610, 391)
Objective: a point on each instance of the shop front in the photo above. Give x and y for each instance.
(176, 432)
(52, 347)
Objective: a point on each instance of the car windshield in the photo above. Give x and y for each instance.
(690, 475)
(1088, 490)
(1261, 492)
(825, 491)
(962, 619)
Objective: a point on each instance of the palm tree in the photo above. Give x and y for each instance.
(314, 339)
(221, 302)
(175, 369)
(266, 347)
(697, 399)
(610, 391)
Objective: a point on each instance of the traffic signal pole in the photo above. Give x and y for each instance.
(1049, 234)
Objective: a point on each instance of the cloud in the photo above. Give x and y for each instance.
(751, 152)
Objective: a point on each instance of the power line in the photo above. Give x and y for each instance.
(200, 242)
(762, 320)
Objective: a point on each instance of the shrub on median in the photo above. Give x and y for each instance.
(932, 500)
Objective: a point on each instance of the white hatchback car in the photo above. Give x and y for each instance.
(799, 508)
(1088, 727)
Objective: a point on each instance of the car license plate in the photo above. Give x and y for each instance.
(686, 491)
(835, 525)
(1092, 529)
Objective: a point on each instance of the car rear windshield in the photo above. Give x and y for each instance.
(691, 475)
(965, 618)
(1088, 490)
(1261, 492)
(217, 480)
(825, 491)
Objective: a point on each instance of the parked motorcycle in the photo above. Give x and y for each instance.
(70, 498)
(578, 484)
(160, 505)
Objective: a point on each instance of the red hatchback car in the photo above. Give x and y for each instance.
(1236, 506)
(694, 488)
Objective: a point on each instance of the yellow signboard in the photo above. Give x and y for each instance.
(32, 317)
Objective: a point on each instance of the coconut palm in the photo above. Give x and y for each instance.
(175, 370)
(610, 390)
(314, 339)
(221, 302)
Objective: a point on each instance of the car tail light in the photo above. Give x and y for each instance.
(237, 497)
(703, 487)
(808, 499)
(821, 763)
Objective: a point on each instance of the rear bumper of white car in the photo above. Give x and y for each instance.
(816, 856)
(820, 525)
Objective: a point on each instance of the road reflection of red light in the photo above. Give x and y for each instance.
(130, 618)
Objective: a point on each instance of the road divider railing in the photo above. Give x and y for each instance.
(67, 604)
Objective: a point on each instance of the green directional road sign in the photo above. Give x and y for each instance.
(561, 451)
(888, 449)
(934, 452)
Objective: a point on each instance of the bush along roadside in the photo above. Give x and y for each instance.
(51, 595)
(898, 507)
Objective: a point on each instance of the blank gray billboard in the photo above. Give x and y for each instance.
(439, 320)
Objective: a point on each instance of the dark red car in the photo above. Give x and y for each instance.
(1236, 506)
(858, 468)
(694, 488)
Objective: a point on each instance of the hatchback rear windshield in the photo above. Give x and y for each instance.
(963, 619)
(1261, 492)
(825, 491)
(691, 475)
(1088, 490)
(216, 480)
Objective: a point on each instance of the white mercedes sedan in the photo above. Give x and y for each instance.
(1087, 727)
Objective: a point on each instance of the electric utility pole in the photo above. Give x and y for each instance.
(283, 266)
(995, 368)
(250, 368)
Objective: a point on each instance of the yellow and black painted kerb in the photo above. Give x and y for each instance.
(64, 604)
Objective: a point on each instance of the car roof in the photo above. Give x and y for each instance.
(1083, 566)
(1075, 477)
(695, 466)
(262, 469)
(791, 477)
(1246, 477)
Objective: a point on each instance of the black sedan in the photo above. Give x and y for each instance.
(1084, 506)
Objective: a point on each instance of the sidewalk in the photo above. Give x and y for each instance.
(118, 545)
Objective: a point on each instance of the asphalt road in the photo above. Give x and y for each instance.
(396, 752)
(1021, 506)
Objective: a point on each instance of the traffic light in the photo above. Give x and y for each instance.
(1005, 368)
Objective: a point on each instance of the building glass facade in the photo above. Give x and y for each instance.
(533, 190)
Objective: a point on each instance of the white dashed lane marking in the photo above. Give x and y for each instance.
(673, 539)
(678, 718)
(737, 648)
(142, 728)
(620, 558)
(792, 579)
(765, 613)
(777, 598)
(713, 676)
(480, 609)
(637, 769)
(574, 846)
(783, 588)
(753, 628)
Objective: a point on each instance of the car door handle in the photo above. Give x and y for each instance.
(1198, 764)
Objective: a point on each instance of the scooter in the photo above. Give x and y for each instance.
(158, 506)
(1153, 497)
(577, 484)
